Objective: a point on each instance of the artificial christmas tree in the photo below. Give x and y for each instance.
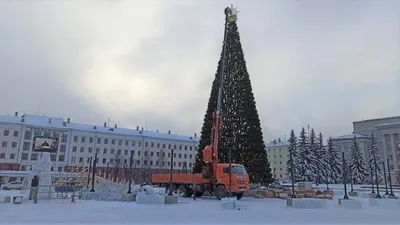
(241, 128)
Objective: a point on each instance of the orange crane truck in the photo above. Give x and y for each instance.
(217, 178)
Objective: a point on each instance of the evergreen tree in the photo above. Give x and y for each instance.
(240, 120)
(306, 158)
(293, 151)
(357, 166)
(373, 158)
(320, 155)
(333, 172)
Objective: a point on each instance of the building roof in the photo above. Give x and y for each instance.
(377, 119)
(388, 124)
(59, 123)
(350, 136)
(276, 144)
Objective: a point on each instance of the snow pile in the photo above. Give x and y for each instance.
(147, 195)
(105, 192)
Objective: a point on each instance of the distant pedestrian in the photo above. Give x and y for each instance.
(194, 189)
(33, 192)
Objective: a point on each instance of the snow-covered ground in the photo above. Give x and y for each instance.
(188, 211)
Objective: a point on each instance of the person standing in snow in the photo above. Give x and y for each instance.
(34, 187)
(194, 188)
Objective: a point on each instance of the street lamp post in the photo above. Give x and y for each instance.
(351, 179)
(292, 174)
(390, 180)
(107, 170)
(377, 180)
(88, 177)
(94, 171)
(130, 173)
(344, 177)
(170, 173)
(384, 175)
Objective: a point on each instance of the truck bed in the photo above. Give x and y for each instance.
(176, 178)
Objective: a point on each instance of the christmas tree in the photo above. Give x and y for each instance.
(373, 159)
(356, 166)
(320, 154)
(241, 127)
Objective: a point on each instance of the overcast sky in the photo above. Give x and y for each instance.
(151, 63)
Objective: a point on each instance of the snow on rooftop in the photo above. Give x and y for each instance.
(350, 136)
(387, 124)
(276, 143)
(59, 123)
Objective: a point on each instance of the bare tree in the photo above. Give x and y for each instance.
(117, 163)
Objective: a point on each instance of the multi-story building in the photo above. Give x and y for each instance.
(386, 131)
(75, 144)
(278, 155)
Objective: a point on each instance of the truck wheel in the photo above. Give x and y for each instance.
(199, 194)
(184, 191)
(173, 188)
(220, 192)
(238, 195)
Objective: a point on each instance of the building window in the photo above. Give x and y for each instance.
(33, 157)
(82, 149)
(174, 163)
(98, 140)
(169, 155)
(119, 151)
(126, 143)
(137, 162)
(169, 146)
(112, 151)
(106, 141)
(190, 156)
(90, 149)
(6, 132)
(133, 143)
(24, 156)
(104, 160)
(12, 156)
(139, 143)
(396, 137)
(180, 155)
(104, 151)
(163, 145)
(145, 153)
(180, 164)
(90, 140)
(4, 144)
(126, 152)
(28, 135)
(146, 144)
(61, 158)
(98, 150)
(169, 163)
(64, 138)
(53, 157)
(138, 153)
(185, 156)
(190, 164)
(113, 142)
(120, 142)
(2, 155)
(190, 148)
(180, 147)
(75, 138)
(125, 161)
(26, 146)
(151, 153)
(174, 146)
(174, 155)
(185, 147)
(158, 154)
(13, 144)
(74, 148)
(158, 145)
(62, 148)
(83, 139)
(16, 133)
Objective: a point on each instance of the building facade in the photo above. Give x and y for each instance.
(76, 144)
(278, 155)
(386, 131)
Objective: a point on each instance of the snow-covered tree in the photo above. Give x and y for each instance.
(293, 151)
(333, 163)
(320, 155)
(374, 159)
(356, 163)
(306, 158)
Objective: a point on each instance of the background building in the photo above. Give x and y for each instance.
(75, 144)
(387, 131)
(277, 152)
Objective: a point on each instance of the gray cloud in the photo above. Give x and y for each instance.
(152, 63)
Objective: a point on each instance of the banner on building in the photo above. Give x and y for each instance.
(45, 144)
